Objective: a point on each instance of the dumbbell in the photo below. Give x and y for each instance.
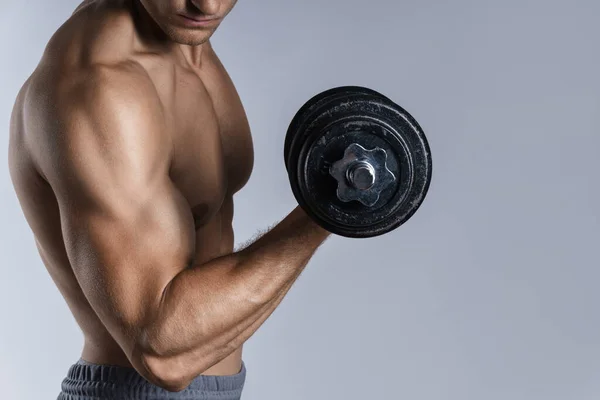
(358, 163)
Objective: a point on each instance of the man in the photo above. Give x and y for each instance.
(127, 145)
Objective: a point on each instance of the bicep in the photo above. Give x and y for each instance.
(125, 250)
(127, 230)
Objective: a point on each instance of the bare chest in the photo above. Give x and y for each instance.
(212, 145)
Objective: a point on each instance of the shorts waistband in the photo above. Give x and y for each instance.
(87, 379)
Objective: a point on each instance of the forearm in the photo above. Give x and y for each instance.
(196, 362)
(209, 310)
(233, 339)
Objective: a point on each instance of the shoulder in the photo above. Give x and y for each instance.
(82, 98)
(91, 57)
(109, 112)
(98, 32)
(102, 91)
(93, 63)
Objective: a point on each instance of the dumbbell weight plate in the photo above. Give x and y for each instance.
(312, 105)
(318, 136)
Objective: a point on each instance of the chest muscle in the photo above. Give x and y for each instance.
(212, 145)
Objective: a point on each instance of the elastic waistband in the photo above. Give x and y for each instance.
(86, 379)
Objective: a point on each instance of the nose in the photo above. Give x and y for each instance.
(207, 7)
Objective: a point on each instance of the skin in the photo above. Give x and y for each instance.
(127, 144)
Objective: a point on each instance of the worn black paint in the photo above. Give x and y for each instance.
(318, 135)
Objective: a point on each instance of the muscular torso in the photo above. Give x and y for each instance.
(212, 160)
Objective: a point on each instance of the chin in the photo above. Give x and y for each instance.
(188, 37)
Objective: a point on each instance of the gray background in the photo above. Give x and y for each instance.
(488, 292)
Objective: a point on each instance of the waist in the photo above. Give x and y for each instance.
(108, 352)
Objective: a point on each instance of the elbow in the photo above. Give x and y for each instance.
(169, 374)
(165, 371)
(168, 361)
(172, 372)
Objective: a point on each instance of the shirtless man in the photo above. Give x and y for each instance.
(127, 144)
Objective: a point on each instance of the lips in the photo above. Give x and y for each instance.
(199, 19)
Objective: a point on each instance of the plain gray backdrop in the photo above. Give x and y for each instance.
(489, 292)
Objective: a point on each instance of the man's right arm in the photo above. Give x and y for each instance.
(129, 233)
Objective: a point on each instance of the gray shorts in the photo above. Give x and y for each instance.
(86, 381)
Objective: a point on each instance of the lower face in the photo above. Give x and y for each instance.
(190, 22)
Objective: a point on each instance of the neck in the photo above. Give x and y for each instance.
(193, 54)
(152, 36)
